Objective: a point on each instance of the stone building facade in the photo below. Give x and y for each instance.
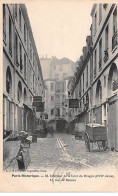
(56, 94)
(22, 74)
(96, 78)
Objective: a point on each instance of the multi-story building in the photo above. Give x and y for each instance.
(56, 95)
(96, 84)
(45, 65)
(21, 70)
(105, 69)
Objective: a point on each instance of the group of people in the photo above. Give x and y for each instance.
(49, 130)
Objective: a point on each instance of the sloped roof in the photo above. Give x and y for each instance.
(56, 61)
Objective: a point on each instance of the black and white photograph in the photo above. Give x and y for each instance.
(60, 92)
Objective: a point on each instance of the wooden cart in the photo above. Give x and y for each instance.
(95, 133)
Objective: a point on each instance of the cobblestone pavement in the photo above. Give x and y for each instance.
(63, 151)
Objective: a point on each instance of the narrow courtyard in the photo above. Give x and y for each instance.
(63, 151)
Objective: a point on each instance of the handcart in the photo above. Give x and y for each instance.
(96, 133)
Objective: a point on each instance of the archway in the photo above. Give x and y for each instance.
(61, 125)
(112, 79)
(112, 107)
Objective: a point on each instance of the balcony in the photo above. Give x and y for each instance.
(115, 85)
(114, 40)
(106, 55)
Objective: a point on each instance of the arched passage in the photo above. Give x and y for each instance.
(113, 107)
(112, 78)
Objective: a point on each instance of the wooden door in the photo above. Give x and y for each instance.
(113, 124)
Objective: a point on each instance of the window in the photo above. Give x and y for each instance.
(80, 88)
(104, 81)
(52, 86)
(57, 101)
(33, 82)
(52, 112)
(10, 36)
(83, 82)
(106, 38)
(21, 66)
(33, 59)
(95, 22)
(8, 80)
(30, 51)
(100, 12)
(104, 109)
(16, 47)
(16, 15)
(4, 23)
(54, 67)
(106, 44)
(57, 113)
(24, 66)
(95, 62)
(115, 21)
(19, 92)
(59, 87)
(100, 54)
(24, 33)
(99, 92)
(52, 98)
(115, 35)
(86, 75)
(56, 76)
(20, 19)
(25, 95)
(64, 75)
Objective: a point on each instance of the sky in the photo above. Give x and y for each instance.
(60, 27)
